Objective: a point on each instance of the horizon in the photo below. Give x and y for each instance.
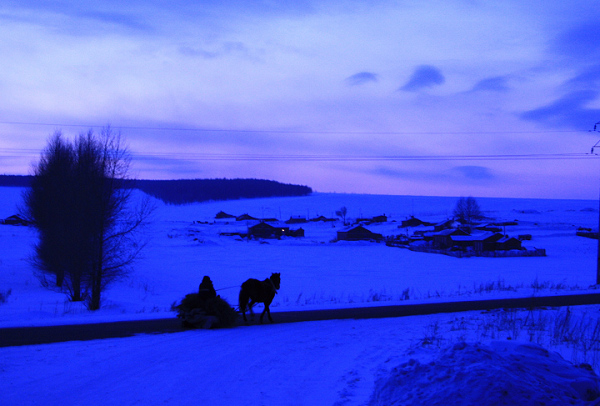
(400, 98)
(342, 193)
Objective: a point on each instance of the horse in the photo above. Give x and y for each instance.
(255, 291)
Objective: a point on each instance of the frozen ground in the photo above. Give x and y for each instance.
(332, 362)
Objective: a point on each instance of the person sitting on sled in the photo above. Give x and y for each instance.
(206, 290)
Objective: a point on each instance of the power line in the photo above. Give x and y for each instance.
(280, 131)
(30, 152)
(357, 158)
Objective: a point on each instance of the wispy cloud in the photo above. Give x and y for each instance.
(570, 111)
(424, 76)
(216, 51)
(589, 78)
(579, 43)
(459, 174)
(361, 78)
(494, 84)
(473, 172)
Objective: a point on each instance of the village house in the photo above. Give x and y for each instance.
(245, 217)
(270, 220)
(457, 238)
(377, 219)
(412, 222)
(296, 233)
(222, 215)
(479, 242)
(322, 218)
(507, 243)
(296, 220)
(489, 227)
(358, 233)
(449, 236)
(443, 239)
(444, 225)
(264, 230)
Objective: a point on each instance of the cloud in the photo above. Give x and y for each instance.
(494, 84)
(465, 174)
(587, 79)
(78, 19)
(473, 172)
(117, 20)
(424, 76)
(361, 78)
(580, 42)
(223, 49)
(569, 111)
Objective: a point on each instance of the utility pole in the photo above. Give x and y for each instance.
(598, 258)
(596, 126)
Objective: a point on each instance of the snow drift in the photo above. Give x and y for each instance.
(501, 373)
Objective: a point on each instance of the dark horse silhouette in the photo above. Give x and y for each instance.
(255, 291)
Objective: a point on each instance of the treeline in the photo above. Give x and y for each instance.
(201, 190)
(15, 180)
(184, 191)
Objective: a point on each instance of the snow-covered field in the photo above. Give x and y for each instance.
(329, 362)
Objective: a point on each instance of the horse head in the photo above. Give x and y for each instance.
(276, 279)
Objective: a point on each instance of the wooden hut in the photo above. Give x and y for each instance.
(358, 233)
(264, 230)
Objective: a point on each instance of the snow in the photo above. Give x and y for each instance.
(501, 357)
(461, 375)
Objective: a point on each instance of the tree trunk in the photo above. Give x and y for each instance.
(94, 303)
(60, 278)
(97, 274)
(76, 294)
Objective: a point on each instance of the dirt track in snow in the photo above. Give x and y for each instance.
(15, 336)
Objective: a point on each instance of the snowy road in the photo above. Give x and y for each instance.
(50, 334)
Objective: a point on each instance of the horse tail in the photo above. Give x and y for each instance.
(243, 299)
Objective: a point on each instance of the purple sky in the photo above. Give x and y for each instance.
(450, 97)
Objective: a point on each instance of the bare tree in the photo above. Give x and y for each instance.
(467, 210)
(99, 231)
(342, 212)
(46, 208)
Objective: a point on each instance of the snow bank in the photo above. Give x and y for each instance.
(501, 373)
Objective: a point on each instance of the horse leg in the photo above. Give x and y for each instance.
(243, 302)
(250, 307)
(268, 311)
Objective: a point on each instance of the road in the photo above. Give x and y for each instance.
(15, 336)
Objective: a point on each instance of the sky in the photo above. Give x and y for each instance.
(448, 98)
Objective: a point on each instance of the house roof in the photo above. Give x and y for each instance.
(245, 217)
(264, 226)
(452, 231)
(358, 232)
(323, 218)
(507, 239)
(445, 222)
(412, 220)
(359, 228)
(222, 215)
(487, 236)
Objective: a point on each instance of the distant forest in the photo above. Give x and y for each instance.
(184, 191)
(201, 190)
